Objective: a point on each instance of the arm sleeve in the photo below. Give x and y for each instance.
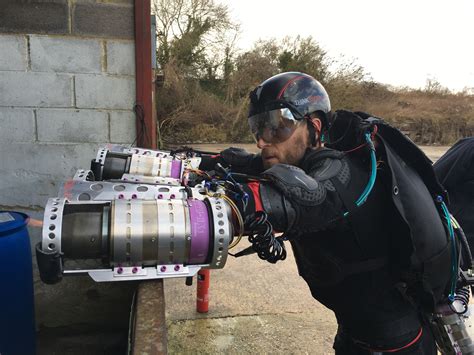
(299, 202)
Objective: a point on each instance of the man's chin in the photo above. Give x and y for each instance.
(268, 163)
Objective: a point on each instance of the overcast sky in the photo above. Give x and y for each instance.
(399, 42)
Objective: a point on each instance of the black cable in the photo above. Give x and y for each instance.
(191, 151)
(263, 240)
(465, 250)
(140, 114)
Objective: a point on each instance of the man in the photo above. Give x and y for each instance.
(455, 171)
(350, 232)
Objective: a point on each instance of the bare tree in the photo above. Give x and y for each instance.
(198, 34)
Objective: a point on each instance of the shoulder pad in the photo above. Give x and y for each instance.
(328, 169)
(294, 183)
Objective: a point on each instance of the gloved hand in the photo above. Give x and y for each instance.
(208, 162)
(238, 159)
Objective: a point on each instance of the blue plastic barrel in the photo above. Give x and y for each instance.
(17, 312)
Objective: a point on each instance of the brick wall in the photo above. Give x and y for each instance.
(67, 83)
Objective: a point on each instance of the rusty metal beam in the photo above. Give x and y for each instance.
(149, 328)
(149, 335)
(146, 119)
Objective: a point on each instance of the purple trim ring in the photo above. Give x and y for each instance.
(176, 169)
(200, 235)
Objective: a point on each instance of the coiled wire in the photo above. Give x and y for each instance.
(461, 296)
(264, 242)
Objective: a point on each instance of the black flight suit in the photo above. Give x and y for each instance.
(352, 270)
(455, 171)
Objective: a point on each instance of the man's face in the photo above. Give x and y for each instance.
(290, 151)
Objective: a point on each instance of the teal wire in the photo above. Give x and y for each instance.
(454, 252)
(370, 185)
(373, 174)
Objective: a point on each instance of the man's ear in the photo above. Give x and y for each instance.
(316, 123)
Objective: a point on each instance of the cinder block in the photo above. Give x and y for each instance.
(65, 54)
(35, 89)
(47, 1)
(121, 57)
(34, 17)
(103, 20)
(26, 188)
(122, 127)
(122, 2)
(31, 173)
(75, 126)
(13, 52)
(17, 125)
(100, 91)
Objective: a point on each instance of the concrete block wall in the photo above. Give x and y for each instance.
(61, 91)
(67, 84)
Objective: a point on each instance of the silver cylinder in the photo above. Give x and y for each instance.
(140, 232)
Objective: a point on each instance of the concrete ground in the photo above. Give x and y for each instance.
(255, 307)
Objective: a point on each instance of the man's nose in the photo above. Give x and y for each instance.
(261, 143)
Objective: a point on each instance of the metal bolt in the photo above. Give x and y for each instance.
(119, 270)
(160, 196)
(163, 268)
(135, 269)
(121, 196)
(134, 196)
(176, 268)
(172, 196)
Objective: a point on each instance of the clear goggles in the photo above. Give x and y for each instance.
(273, 126)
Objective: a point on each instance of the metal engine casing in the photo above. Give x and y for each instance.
(141, 239)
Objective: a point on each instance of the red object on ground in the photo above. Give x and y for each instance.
(202, 300)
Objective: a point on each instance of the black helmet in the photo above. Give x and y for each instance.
(283, 100)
